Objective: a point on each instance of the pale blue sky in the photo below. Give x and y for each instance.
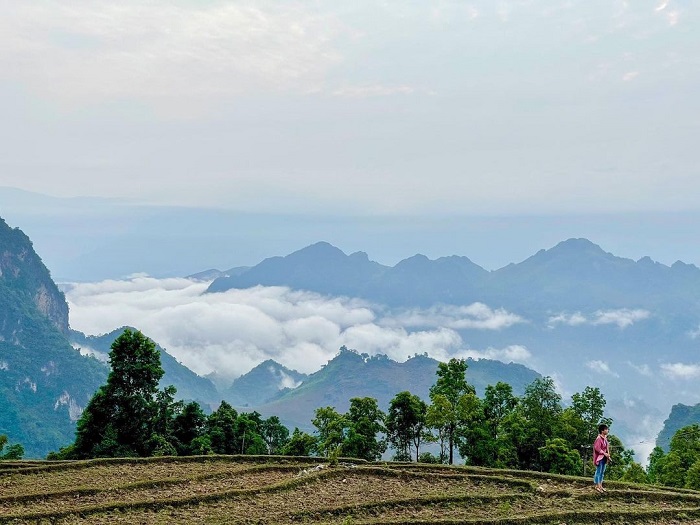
(481, 107)
(484, 128)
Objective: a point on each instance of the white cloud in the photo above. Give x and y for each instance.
(574, 319)
(476, 316)
(86, 350)
(97, 50)
(643, 369)
(512, 353)
(681, 370)
(285, 381)
(232, 332)
(623, 318)
(601, 367)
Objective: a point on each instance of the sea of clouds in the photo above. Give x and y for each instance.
(229, 333)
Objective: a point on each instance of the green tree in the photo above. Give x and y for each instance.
(674, 468)
(635, 474)
(558, 458)
(686, 443)
(498, 402)
(579, 422)
(120, 418)
(365, 421)
(300, 444)
(274, 433)
(692, 477)
(188, 426)
(221, 429)
(656, 459)
(620, 458)
(541, 408)
(671, 472)
(514, 447)
(484, 436)
(165, 410)
(405, 424)
(15, 451)
(330, 429)
(452, 399)
(589, 406)
(247, 435)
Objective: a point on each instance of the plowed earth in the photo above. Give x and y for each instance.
(271, 490)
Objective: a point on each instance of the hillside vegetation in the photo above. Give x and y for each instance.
(264, 489)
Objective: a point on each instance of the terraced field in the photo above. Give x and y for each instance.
(265, 490)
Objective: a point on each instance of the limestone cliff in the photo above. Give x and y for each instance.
(24, 276)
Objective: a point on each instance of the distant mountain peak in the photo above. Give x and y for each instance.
(321, 248)
(579, 244)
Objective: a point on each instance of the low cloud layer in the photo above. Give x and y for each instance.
(622, 317)
(474, 316)
(232, 332)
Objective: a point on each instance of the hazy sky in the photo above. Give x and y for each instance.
(396, 107)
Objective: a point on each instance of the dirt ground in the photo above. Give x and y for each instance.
(238, 490)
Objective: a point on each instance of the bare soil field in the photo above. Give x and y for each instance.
(271, 490)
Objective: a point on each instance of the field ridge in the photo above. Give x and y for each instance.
(276, 489)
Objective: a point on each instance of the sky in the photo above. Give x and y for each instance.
(512, 107)
(485, 128)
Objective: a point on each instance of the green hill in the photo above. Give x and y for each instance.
(351, 374)
(44, 381)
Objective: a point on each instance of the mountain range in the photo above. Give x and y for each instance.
(574, 274)
(580, 311)
(354, 374)
(580, 314)
(585, 316)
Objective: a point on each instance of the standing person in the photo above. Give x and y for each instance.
(601, 456)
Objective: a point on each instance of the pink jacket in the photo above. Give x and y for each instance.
(600, 448)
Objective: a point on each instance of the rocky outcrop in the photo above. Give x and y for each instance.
(24, 276)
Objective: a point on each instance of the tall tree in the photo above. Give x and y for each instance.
(540, 409)
(274, 433)
(221, 428)
(188, 426)
(247, 435)
(119, 419)
(453, 401)
(484, 442)
(365, 421)
(330, 429)
(405, 424)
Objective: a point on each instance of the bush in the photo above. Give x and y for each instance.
(427, 457)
